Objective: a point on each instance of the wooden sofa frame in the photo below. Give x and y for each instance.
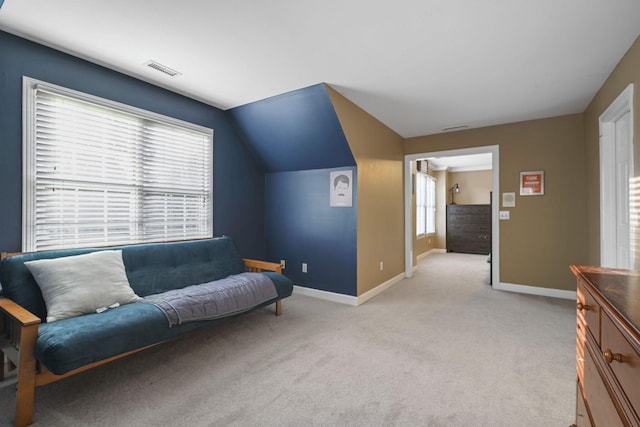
(18, 334)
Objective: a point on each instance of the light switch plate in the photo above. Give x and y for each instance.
(504, 214)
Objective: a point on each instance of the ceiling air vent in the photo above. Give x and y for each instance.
(162, 68)
(452, 128)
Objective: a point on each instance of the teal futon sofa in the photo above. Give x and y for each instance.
(65, 311)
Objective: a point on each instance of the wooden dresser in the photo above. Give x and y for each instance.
(608, 347)
(469, 228)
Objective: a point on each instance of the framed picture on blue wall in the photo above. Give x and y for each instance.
(340, 191)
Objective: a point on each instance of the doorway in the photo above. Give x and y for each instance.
(495, 232)
(617, 193)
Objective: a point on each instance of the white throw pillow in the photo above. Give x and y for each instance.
(81, 284)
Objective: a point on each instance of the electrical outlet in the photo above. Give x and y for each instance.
(381, 265)
(283, 263)
(304, 267)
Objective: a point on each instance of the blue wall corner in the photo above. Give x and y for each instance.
(298, 130)
(238, 176)
(298, 137)
(303, 228)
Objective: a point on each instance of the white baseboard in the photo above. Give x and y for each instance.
(325, 295)
(379, 289)
(355, 301)
(430, 252)
(348, 299)
(535, 290)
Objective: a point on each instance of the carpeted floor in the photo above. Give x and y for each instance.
(439, 349)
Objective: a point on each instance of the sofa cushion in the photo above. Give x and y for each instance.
(81, 284)
(158, 267)
(71, 343)
(75, 342)
(151, 268)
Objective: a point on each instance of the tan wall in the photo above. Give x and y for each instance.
(475, 187)
(545, 233)
(627, 71)
(379, 156)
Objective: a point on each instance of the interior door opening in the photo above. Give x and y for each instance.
(493, 151)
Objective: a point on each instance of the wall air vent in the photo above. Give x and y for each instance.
(163, 68)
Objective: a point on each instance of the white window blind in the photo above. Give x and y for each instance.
(425, 204)
(431, 204)
(100, 173)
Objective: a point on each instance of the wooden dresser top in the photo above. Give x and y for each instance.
(619, 288)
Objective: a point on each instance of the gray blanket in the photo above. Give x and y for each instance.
(212, 300)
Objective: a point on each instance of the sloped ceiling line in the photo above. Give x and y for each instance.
(298, 130)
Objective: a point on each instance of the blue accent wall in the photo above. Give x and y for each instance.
(298, 137)
(295, 131)
(238, 175)
(303, 228)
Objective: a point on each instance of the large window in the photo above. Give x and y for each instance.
(100, 173)
(425, 204)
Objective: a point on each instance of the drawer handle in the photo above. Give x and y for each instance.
(610, 356)
(582, 306)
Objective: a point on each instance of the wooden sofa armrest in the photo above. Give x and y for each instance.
(18, 334)
(255, 265)
(18, 313)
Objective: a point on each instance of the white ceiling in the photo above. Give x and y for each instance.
(471, 162)
(419, 66)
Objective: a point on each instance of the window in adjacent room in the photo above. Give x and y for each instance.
(425, 204)
(99, 173)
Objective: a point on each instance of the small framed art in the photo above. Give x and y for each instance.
(340, 188)
(532, 183)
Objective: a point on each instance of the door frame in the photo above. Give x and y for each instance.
(495, 185)
(609, 203)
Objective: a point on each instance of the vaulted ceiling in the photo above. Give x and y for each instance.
(419, 66)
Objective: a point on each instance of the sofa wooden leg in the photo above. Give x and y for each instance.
(26, 384)
(2, 365)
(278, 307)
(25, 395)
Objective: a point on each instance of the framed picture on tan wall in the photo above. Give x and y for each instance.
(532, 183)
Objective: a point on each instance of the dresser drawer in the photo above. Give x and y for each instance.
(581, 345)
(622, 359)
(589, 311)
(582, 416)
(469, 209)
(456, 226)
(603, 410)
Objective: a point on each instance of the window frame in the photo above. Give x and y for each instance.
(429, 204)
(29, 97)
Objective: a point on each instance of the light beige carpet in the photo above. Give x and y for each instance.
(440, 349)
